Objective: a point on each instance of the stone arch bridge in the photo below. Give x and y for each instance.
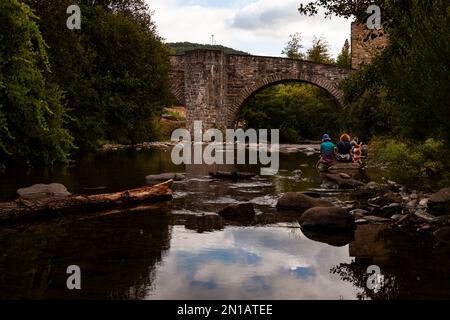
(214, 85)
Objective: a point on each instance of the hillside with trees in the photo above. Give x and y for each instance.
(181, 48)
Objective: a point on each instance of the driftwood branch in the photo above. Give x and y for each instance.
(53, 206)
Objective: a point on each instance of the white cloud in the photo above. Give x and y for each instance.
(260, 27)
(216, 266)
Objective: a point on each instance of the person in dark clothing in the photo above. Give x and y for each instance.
(344, 149)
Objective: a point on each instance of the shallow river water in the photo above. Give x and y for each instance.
(183, 250)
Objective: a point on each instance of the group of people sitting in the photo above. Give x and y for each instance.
(347, 150)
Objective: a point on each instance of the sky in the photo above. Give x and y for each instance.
(259, 27)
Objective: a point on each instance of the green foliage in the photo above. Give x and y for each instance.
(357, 9)
(412, 163)
(299, 111)
(418, 65)
(180, 48)
(32, 115)
(294, 46)
(342, 8)
(114, 71)
(344, 58)
(406, 89)
(319, 52)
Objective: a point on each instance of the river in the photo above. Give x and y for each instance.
(183, 250)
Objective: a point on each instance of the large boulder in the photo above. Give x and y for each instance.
(300, 202)
(327, 219)
(440, 201)
(238, 211)
(39, 191)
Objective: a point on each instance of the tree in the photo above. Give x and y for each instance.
(293, 47)
(356, 9)
(319, 52)
(344, 59)
(407, 86)
(114, 71)
(32, 115)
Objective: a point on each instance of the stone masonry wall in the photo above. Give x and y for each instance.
(214, 85)
(366, 44)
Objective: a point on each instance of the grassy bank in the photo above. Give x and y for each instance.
(415, 164)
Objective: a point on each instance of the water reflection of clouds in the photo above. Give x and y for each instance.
(249, 263)
(226, 256)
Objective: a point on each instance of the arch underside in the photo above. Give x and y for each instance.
(250, 91)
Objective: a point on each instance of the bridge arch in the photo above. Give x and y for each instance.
(273, 80)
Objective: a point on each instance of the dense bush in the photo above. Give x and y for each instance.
(412, 163)
(33, 116)
(405, 91)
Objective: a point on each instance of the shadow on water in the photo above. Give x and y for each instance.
(412, 265)
(117, 254)
(96, 173)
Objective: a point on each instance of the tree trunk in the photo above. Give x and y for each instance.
(52, 206)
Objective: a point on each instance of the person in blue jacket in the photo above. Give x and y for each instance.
(327, 150)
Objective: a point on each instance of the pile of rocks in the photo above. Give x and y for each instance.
(376, 203)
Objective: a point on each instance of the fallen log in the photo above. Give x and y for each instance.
(48, 207)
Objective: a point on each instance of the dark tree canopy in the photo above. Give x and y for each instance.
(33, 117)
(357, 8)
(113, 71)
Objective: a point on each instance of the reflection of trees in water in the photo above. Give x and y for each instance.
(117, 255)
(357, 275)
(21, 275)
(412, 266)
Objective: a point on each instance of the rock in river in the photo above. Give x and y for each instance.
(375, 219)
(43, 191)
(391, 197)
(204, 222)
(327, 220)
(165, 177)
(342, 166)
(440, 201)
(343, 183)
(300, 202)
(241, 210)
(443, 234)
